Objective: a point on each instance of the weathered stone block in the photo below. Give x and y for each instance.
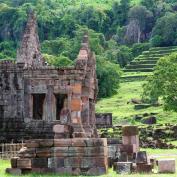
(56, 162)
(62, 142)
(76, 120)
(77, 88)
(73, 162)
(46, 143)
(123, 157)
(24, 163)
(129, 148)
(32, 143)
(144, 168)
(130, 130)
(76, 171)
(131, 140)
(43, 170)
(97, 171)
(167, 166)
(43, 152)
(123, 167)
(63, 170)
(39, 163)
(60, 129)
(141, 157)
(76, 104)
(13, 162)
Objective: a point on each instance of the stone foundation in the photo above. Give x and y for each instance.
(77, 156)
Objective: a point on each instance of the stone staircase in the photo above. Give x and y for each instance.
(148, 59)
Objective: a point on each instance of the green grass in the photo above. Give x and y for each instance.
(6, 164)
(123, 113)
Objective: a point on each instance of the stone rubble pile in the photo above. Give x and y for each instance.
(127, 158)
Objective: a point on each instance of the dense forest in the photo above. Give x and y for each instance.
(118, 30)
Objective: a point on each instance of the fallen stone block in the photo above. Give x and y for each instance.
(123, 167)
(14, 171)
(63, 170)
(166, 166)
(141, 157)
(144, 168)
(43, 170)
(76, 171)
(97, 171)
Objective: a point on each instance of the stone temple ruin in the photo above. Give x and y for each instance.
(34, 96)
(53, 109)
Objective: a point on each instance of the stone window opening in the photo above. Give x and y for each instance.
(61, 105)
(38, 106)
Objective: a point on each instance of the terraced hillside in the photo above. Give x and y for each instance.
(143, 65)
(148, 59)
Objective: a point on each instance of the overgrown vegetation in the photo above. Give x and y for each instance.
(163, 83)
(119, 30)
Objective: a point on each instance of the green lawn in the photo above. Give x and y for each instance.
(5, 164)
(123, 113)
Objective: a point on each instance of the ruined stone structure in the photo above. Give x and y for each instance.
(35, 96)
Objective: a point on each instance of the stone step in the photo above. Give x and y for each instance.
(139, 70)
(164, 52)
(140, 58)
(135, 62)
(162, 48)
(142, 66)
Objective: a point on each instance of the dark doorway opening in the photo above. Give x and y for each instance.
(38, 102)
(60, 99)
(1, 112)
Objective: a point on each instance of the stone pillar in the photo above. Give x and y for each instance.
(49, 113)
(131, 137)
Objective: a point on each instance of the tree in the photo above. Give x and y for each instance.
(163, 83)
(165, 31)
(58, 61)
(121, 55)
(140, 24)
(120, 12)
(108, 75)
